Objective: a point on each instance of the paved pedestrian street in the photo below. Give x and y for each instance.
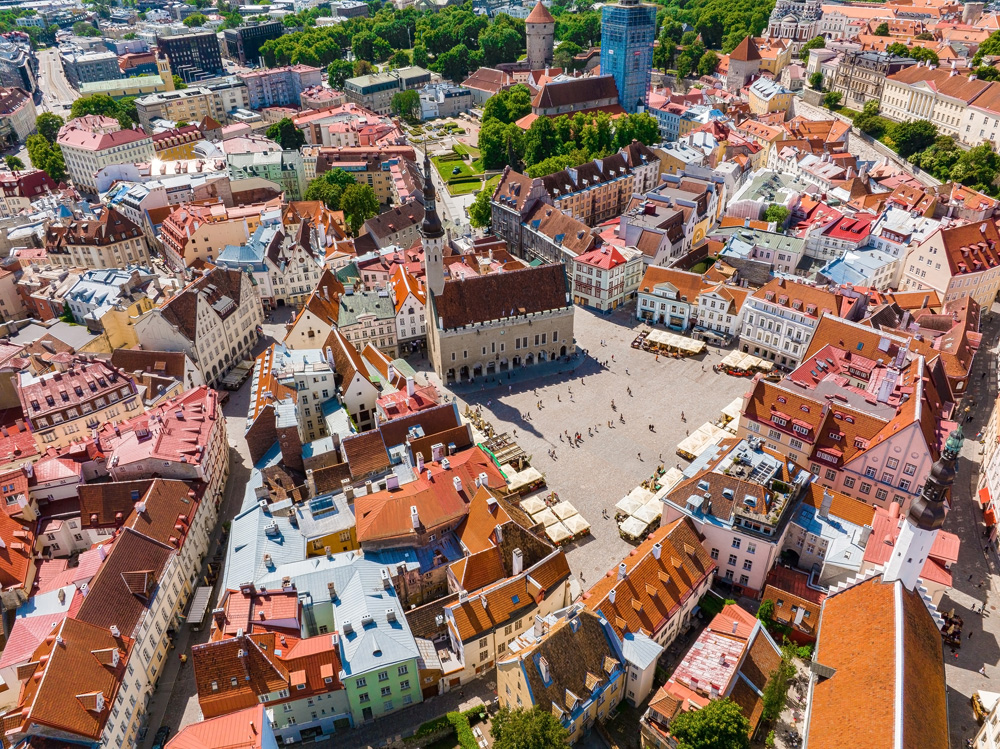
(612, 462)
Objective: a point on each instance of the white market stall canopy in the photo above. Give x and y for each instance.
(696, 443)
(674, 341)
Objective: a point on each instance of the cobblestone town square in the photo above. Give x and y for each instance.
(612, 462)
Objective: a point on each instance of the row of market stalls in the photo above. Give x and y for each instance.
(665, 343)
(562, 521)
(638, 512)
(711, 433)
(739, 364)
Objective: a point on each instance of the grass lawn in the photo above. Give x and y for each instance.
(703, 265)
(465, 179)
(464, 188)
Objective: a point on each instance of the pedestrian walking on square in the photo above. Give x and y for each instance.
(640, 455)
(982, 669)
(970, 635)
(558, 398)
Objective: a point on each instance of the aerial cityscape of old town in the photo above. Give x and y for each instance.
(273, 472)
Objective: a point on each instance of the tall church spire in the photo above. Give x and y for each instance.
(432, 234)
(925, 518)
(430, 227)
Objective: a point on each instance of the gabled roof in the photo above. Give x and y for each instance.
(124, 588)
(514, 293)
(60, 693)
(653, 588)
(216, 288)
(871, 695)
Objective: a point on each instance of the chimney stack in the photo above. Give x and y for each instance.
(517, 563)
(622, 569)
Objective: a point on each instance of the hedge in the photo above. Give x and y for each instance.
(460, 722)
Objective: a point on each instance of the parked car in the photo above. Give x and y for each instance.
(160, 740)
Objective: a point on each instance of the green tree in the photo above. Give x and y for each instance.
(987, 73)
(101, 104)
(564, 54)
(642, 127)
(922, 54)
(719, 725)
(367, 46)
(420, 55)
(540, 141)
(179, 84)
(362, 67)
(816, 81)
(708, 63)
(870, 122)
(481, 212)
(455, 63)
(832, 100)
(978, 168)
(339, 71)
(14, 163)
(508, 106)
(400, 59)
(82, 28)
(939, 159)
(406, 104)
(500, 44)
(913, 136)
(765, 612)
(329, 188)
(528, 729)
(817, 42)
(48, 125)
(46, 156)
(924, 36)
(776, 689)
(555, 164)
(284, 132)
(990, 47)
(777, 213)
(359, 203)
(882, 29)
(195, 20)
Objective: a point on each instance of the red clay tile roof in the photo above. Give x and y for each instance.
(366, 453)
(386, 514)
(653, 589)
(539, 14)
(746, 51)
(74, 670)
(508, 599)
(858, 700)
(123, 589)
(500, 295)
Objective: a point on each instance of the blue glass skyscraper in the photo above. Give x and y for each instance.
(628, 30)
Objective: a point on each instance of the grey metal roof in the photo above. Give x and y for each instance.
(640, 650)
(254, 534)
(361, 598)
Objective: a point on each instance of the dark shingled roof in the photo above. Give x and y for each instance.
(498, 295)
(182, 309)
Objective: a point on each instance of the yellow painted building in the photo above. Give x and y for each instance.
(327, 523)
(769, 96)
(119, 323)
(775, 56)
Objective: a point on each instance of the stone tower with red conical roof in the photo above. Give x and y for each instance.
(744, 65)
(540, 31)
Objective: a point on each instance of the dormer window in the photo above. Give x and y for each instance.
(778, 420)
(836, 436)
(799, 429)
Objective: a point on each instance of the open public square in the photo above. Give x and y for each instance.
(610, 461)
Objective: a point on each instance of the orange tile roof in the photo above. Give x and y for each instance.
(243, 729)
(653, 589)
(59, 693)
(508, 599)
(844, 507)
(386, 514)
(858, 700)
(16, 552)
(688, 285)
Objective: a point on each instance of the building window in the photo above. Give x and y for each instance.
(865, 487)
(715, 553)
(849, 482)
(748, 565)
(732, 560)
(736, 543)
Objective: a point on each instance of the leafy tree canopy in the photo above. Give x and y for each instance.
(359, 203)
(48, 125)
(817, 42)
(528, 729)
(284, 132)
(481, 212)
(719, 725)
